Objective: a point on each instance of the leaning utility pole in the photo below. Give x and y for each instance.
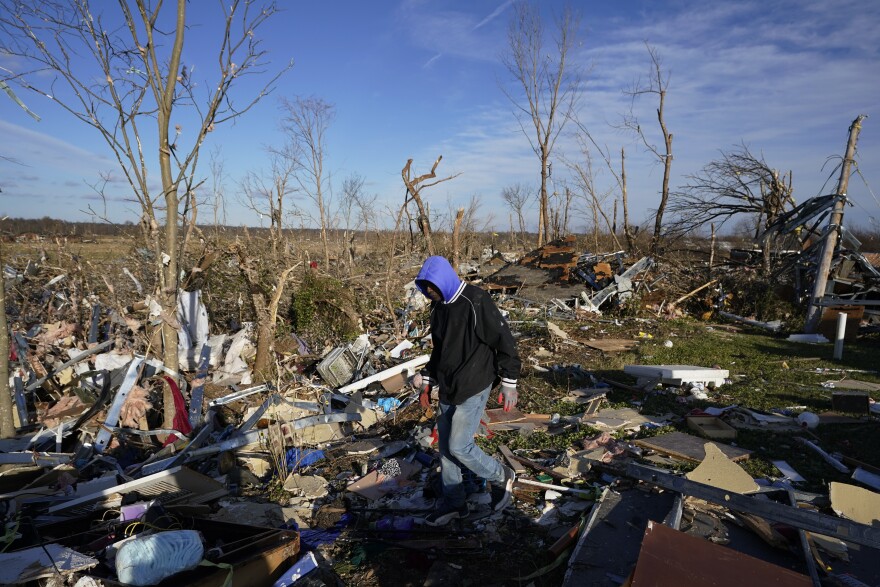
(814, 310)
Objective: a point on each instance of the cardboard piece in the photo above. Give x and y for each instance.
(711, 427)
(690, 448)
(374, 484)
(616, 419)
(556, 332)
(612, 345)
(719, 471)
(670, 558)
(308, 486)
(368, 416)
(855, 503)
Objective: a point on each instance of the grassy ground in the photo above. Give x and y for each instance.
(767, 372)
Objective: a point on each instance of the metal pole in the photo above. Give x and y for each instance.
(820, 283)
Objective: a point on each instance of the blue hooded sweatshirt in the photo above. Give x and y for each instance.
(438, 271)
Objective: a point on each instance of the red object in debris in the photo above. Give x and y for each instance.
(181, 418)
(434, 437)
(313, 264)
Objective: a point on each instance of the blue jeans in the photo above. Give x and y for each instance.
(456, 426)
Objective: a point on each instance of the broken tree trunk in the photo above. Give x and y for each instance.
(820, 283)
(456, 238)
(413, 189)
(627, 232)
(7, 424)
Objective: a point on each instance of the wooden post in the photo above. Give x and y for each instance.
(712, 250)
(820, 282)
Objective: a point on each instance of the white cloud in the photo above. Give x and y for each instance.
(785, 80)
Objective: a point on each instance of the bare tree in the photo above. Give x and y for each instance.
(356, 211)
(584, 177)
(142, 83)
(7, 423)
(548, 81)
(265, 194)
(414, 187)
(517, 196)
(656, 84)
(585, 139)
(737, 185)
(306, 120)
(218, 188)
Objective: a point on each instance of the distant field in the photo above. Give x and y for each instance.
(99, 249)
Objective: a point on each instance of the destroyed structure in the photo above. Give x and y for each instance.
(272, 483)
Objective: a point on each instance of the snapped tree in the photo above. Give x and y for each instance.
(739, 184)
(116, 67)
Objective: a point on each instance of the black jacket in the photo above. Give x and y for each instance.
(473, 345)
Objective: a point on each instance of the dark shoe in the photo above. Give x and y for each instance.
(446, 514)
(504, 493)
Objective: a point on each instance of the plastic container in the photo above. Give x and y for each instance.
(147, 560)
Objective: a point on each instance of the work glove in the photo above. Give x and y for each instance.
(507, 395)
(424, 384)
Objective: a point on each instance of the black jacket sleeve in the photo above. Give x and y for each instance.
(492, 329)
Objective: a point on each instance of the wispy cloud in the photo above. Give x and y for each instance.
(431, 61)
(450, 32)
(495, 14)
(788, 92)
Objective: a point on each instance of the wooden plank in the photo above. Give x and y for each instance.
(511, 460)
(611, 345)
(769, 510)
(690, 448)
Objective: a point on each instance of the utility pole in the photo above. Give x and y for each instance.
(820, 283)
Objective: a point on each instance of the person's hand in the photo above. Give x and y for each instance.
(508, 396)
(424, 384)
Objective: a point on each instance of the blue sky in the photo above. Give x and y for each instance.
(418, 79)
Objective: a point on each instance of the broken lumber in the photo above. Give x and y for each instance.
(769, 510)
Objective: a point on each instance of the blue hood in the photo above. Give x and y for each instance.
(438, 271)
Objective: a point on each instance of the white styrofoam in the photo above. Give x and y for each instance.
(678, 374)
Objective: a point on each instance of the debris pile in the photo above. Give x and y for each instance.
(125, 471)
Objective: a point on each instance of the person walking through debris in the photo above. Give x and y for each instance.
(473, 351)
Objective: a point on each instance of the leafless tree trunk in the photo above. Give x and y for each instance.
(414, 187)
(456, 238)
(657, 84)
(142, 81)
(266, 194)
(265, 298)
(7, 423)
(306, 120)
(218, 177)
(711, 250)
(627, 231)
(584, 176)
(549, 85)
(517, 196)
(353, 204)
